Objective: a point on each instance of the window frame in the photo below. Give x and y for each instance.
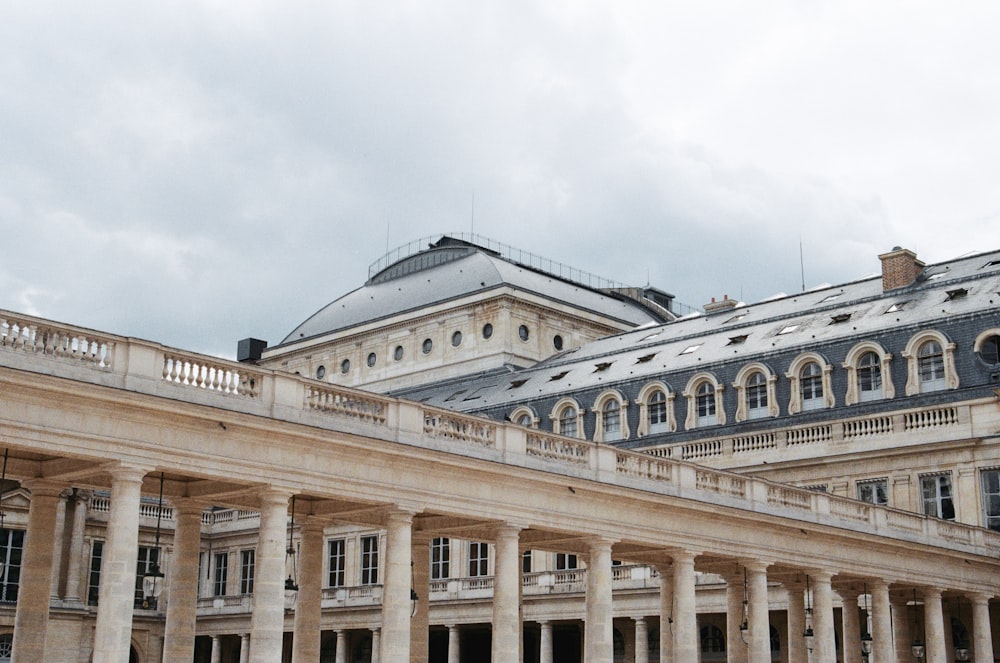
(604, 429)
(880, 482)
(990, 495)
(852, 364)
(248, 563)
(915, 384)
(744, 411)
(520, 413)
(645, 402)
(990, 335)
(697, 397)
(369, 560)
(557, 418)
(220, 573)
(336, 561)
(942, 504)
(796, 401)
(479, 559)
(440, 558)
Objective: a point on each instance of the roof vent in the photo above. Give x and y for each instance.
(726, 304)
(900, 267)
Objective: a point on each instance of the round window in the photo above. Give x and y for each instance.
(428, 346)
(989, 350)
(397, 354)
(345, 366)
(522, 332)
(456, 339)
(371, 359)
(557, 342)
(487, 330)
(321, 372)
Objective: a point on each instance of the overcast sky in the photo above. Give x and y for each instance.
(195, 173)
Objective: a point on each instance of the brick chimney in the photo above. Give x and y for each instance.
(726, 304)
(900, 267)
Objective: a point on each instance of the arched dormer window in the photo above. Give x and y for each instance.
(567, 418)
(755, 392)
(612, 422)
(930, 363)
(868, 376)
(704, 401)
(656, 409)
(809, 375)
(524, 416)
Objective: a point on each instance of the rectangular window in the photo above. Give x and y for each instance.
(937, 496)
(874, 491)
(148, 557)
(11, 550)
(440, 559)
(221, 571)
(565, 562)
(247, 560)
(991, 498)
(526, 562)
(337, 561)
(94, 580)
(479, 559)
(369, 560)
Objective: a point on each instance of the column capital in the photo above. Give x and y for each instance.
(44, 487)
(979, 597)
(399, 515)
(756, 565)
(639, 619)
(312, 524)
(185, 506)
(682, 556)
(508, 530)
(930, 593)
(270, 496)
(123, 472)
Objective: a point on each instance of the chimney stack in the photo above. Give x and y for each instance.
(726, 304)
(900, 267)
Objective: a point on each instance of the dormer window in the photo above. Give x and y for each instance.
(957, 293)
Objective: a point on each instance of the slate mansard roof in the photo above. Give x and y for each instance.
(830, 320)
(450, 269)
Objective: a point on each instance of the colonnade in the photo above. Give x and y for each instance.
(402, 636)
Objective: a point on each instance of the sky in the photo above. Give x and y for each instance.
(194, 173)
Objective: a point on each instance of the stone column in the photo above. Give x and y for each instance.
(308, 605)
(666, 574)
(851, 626)
(77, 562)
(244, 648)
(421, 578)
(216, 650)
(883, 650)
(797, 652)
(267, 620)
(599, 630)
(116, 596)
(57, 543)
(31, 618)
(376, 645)
(182, 601)
(641, 640)
(341, 653)
(507, 596)
(824, 644)
(759, 617)
(544, 643)
(396, 589)
(982, 633)
(454, 646)
(736, 649)
(937, 650)
(686, 642)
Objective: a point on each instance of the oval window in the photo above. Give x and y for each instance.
(487, 330)
(522, 332)
(397, 354)
(428, 345)
(456, 339)
(321, 372)
(371, 359)
(557, 342)
(345, 366)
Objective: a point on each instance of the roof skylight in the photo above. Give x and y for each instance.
(898, 306)
(788, 329)
(689, 349)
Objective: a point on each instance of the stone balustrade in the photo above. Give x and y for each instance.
(41, 346)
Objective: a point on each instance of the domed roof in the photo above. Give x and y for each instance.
(451, 269)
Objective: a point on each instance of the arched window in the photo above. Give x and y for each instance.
(930, 363)
(656, 409)
(811, 386)
(868, 376)
(704, 396)
(705, 402)
(755, 392)
(810, 383)
(567, 421)
(524, 416)
(567, 418)
(611, 424)
(987, 347)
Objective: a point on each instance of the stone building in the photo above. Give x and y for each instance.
(483, 455)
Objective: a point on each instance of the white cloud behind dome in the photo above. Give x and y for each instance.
(196, 173)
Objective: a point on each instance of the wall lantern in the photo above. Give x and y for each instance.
(153, 580)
